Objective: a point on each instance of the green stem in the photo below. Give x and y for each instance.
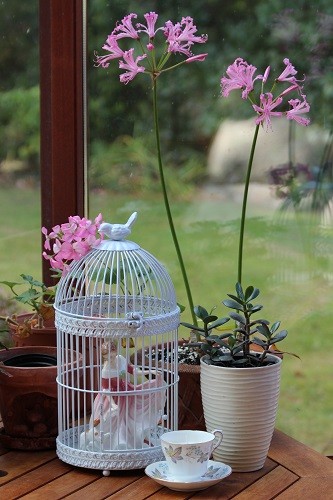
(167, 205)
(245, 194)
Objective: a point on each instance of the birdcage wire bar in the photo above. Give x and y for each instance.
(117, 307)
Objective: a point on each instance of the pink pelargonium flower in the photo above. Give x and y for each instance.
(299, 108)
(130, 64)
(181, 36)
(240, 75)
(125, 28)
(71, 241)
(265, 110)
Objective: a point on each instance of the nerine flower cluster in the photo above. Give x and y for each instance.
(241, 75)
(177, 38)
(70, 241)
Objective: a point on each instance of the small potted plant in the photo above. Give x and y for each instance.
(28, 388)
(63, 244)
(35, 327)
(240, 386)
(240, 377)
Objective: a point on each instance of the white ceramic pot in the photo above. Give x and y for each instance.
(243, 403)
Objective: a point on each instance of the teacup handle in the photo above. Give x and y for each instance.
(219, 435)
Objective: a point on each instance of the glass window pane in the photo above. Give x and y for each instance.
(20, 248)
(206, 142)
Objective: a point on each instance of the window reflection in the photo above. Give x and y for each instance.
(206, 143)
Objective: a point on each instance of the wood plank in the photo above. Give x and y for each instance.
(235, 483)
(298, 457)
(34, 479)
(269, 485)
(320, 488)
(105, 486)
(74, 480)
(16, 463)
(139, 490)
(167, 494)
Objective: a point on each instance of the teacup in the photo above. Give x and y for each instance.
(187, 452)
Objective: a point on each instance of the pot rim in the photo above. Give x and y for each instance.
(275, 359)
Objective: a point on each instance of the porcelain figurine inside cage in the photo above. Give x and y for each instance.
(118, 422)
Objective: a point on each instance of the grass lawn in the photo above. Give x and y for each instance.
(288, 258)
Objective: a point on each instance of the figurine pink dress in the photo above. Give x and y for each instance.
(128, 408)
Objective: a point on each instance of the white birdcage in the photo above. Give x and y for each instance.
(116, 306)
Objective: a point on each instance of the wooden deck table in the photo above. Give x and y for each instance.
(292, 471)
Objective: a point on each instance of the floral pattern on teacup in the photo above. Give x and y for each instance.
(194, 454)
(211, 471)
(197, 454)
(159, 474)
(174, 453)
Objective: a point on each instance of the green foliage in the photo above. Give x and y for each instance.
(233, 349)
(129, 165)
(35, 293)
(19, 44)
(19, 126)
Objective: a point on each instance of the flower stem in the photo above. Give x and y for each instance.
(246, 190)
(167, 205)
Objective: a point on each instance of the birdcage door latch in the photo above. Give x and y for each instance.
(135, 320)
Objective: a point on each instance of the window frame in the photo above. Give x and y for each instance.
(62, 131)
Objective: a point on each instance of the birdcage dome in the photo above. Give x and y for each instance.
(117, 289)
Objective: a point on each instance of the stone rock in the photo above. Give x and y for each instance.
(230, 150)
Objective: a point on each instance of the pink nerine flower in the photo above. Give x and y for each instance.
(199, 57)
(111, 46)
(288, 73)
(125, 28)
(240, 75)
(265, 110)
(299, 108)
(151, 18)
(131, 65)
(181, 36)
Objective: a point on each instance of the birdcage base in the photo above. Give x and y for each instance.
(104, 460)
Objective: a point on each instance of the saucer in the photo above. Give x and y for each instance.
(159, 471)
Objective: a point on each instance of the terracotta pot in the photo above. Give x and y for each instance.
(243, 403)
(28, 397)
(190, 411)
(46, 336)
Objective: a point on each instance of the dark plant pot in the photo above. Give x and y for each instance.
(28, 397)
(190, 410)
(46, 336)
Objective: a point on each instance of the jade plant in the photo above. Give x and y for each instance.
(245, 345)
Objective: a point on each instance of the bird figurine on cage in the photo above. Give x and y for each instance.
(118, 232)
